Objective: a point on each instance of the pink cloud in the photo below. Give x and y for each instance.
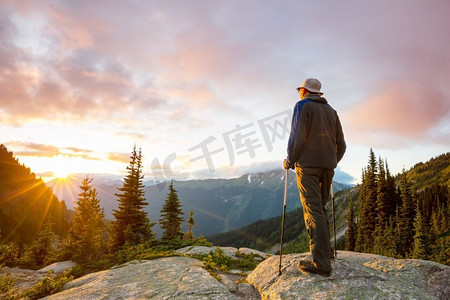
(43, 150)
(72, 29)
(400, 111)
(74, 81)
(34, 149)
(120, 157)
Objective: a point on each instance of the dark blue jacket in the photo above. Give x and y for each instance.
(316, 138)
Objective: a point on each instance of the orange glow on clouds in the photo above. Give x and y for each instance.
(399, 110)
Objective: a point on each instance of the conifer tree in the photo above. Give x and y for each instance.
(391, 195)
(351, 238)
(371, 207)
(170, 216)
(420, 249)
(360, 237)
(42, 250)
(397, 232)
(131, 225)
(407, 214)
(84, 242)
(382, 197)
(190, 224)
(379, 239)
(367, 207)
(390, 247)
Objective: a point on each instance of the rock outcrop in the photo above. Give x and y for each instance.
(58, 267)
(354, 276)
(28, 278)
(164, 278)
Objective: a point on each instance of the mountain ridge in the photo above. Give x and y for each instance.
(219, 205)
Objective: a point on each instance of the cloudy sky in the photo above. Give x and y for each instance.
(206, 88)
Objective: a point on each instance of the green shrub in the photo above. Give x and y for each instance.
(130, 252)
(217, 260)
(9, 254)
(48, 285)
(247, 263)
(7, 282)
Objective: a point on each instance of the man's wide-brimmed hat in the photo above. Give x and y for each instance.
(311, 84)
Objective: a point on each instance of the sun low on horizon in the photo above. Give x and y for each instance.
(63, 168)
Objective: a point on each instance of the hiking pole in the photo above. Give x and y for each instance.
(334, 219)
(282, 219)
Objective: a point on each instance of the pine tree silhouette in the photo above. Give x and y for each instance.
(407, 214)
(85, 243)
(170, 216)
(421, 240)
(190, 223)
(131, 225)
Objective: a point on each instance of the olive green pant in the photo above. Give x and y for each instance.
(314, 188)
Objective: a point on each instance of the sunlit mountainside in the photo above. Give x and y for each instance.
(434, 171)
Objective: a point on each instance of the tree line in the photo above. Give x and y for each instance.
(396, 221)
(97, 243)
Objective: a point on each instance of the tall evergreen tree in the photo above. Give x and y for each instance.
(391, 195)
(190, 224)
(379, 242)
(350, 232)
(42, 250)
(407, 214)
(421, 242)
(85, 242)
(390, 238)
(131, 225)
(382, 196)
(171, 216)
(360, 237)
(367, 212)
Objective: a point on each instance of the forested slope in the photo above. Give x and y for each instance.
(26, 203)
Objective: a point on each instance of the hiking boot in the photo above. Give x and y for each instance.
(308, 266)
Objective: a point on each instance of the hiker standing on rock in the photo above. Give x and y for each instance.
(316, 144)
